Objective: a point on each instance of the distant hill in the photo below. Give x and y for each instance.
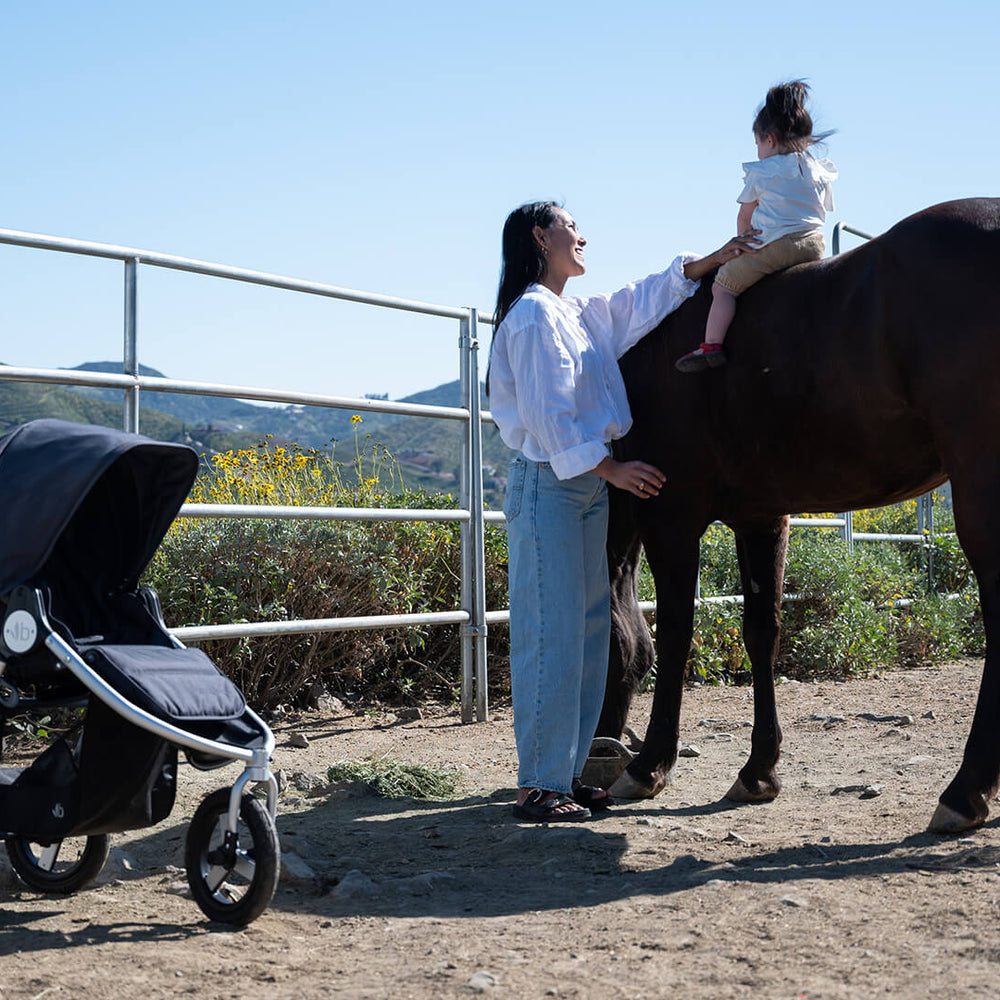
(428, 450)
(200, 411)
(24, 401)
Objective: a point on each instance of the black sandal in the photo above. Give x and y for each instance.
(543, 807)
(590, 797)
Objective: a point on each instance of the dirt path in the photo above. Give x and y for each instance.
(821, 894)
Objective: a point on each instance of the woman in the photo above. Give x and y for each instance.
(558, 398)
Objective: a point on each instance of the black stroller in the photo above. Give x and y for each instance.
(82, 511)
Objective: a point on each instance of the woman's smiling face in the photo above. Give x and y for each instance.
(563, 247)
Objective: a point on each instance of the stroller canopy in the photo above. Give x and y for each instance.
(82, 501)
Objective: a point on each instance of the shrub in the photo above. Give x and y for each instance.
(214, 571)
(853, 614)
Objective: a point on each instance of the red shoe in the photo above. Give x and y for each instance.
(706, 356)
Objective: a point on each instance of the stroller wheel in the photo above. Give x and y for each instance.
(60, 866)
(233, 880)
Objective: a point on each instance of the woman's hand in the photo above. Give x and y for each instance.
(638, 478)
(746, 242)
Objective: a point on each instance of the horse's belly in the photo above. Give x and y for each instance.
(834, 468)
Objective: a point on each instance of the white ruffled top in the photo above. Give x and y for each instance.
(555, 389)
(793, 193)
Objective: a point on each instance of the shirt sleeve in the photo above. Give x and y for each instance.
(621, 320)
(545, 372)
(827, 196)
(751, 184)
(828, 174)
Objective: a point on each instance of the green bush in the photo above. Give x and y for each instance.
(217, 571)
(852, 614)
(843, 621)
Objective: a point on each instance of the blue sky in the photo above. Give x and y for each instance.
(379, 146)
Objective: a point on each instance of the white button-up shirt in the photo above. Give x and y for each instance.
(555, 389)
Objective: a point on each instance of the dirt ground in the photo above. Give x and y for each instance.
(821, 894)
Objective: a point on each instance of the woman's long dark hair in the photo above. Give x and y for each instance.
(522, 262)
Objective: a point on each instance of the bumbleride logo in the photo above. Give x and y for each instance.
(19, 631)
(58, 811)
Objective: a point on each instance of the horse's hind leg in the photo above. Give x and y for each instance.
(964, 803)
(761, 552)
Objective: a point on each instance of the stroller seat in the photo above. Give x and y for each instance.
(177, 685)
(182, 687)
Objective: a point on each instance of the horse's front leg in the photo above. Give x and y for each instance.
(761, 552)
(672, 553)
(631, 653)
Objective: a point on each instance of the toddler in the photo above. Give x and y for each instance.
(786, 196)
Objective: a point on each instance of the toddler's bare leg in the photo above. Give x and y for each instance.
(720, 315)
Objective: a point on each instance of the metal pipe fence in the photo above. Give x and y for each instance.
(473, 618)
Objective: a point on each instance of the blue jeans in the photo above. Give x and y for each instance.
(560, 618)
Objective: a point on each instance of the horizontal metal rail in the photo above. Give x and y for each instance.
(171, 262)
(106, 380)
(878, 536)
(263, 511)
(858, 536)
(291, 513)
(239, 630)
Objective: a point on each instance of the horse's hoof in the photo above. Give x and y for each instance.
(946, 820)
(740, 793)
(626, 787)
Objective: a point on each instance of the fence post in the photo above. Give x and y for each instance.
(847, 532)
(925, 525)
(130, 363)
(473, 633)
(477, 528)
(465, 535)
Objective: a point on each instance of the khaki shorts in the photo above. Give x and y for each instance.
(738, 274)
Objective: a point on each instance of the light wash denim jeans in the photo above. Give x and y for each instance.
(560, 618)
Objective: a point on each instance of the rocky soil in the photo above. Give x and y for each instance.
(832, 891)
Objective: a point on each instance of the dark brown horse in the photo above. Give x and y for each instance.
(853, 382)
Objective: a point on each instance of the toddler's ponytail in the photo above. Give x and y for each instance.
(784, 116)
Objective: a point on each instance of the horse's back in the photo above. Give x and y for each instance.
(849, 379)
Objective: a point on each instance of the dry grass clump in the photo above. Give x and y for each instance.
(397, 779)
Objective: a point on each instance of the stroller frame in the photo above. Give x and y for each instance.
(85, 510)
